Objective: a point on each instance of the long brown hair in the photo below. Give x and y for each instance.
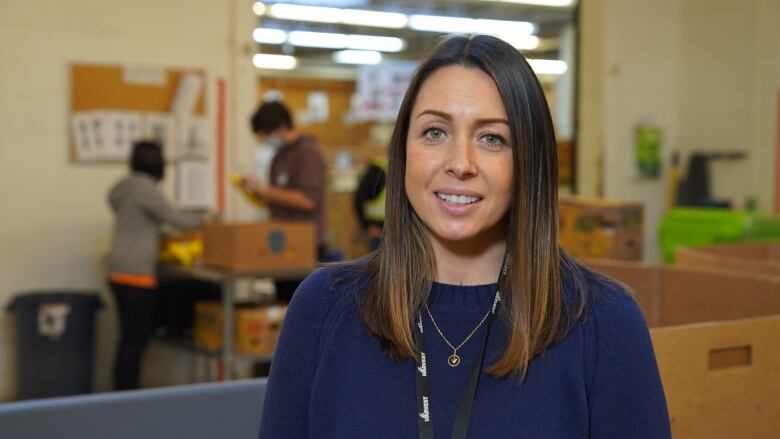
(401, 271)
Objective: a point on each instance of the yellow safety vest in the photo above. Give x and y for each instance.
(374, 210)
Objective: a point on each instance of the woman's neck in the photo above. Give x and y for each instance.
(465, 264)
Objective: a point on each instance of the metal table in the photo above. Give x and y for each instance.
(228, 279)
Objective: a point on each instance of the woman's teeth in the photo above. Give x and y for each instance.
(457, 199)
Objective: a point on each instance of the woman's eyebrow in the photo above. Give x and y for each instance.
(491, 120)
(448, 117)
(438, 113)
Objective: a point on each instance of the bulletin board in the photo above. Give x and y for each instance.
(139, 96)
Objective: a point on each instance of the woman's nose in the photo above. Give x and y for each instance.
(461, 160)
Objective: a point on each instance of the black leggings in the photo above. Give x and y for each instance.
(137, 307)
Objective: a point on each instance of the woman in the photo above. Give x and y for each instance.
(140, 210)
(406, 345)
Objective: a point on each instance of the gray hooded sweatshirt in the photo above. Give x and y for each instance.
(140, 210)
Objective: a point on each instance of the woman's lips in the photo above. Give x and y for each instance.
(458, 202)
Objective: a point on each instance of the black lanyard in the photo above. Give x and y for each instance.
(462, 415)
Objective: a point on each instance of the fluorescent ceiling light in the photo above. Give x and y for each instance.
(500, 27)
(316, 14)
(373, 18)
(269, 36)
(328, 40)
(555, 3)
(430, 23)
(284, 11)
(317, 39)
(548, 66)
(370, 42)
(522, 42)
(436, 23)
(357, 57)
(268, 61)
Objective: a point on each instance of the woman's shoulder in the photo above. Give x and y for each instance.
(598, 295)
(602, 303)
(611, 325)
(327, 287)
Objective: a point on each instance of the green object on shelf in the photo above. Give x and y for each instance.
(691, 226)
(764, 228)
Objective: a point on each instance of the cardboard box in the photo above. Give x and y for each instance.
(256, 328)
(757, 258)
(208, 325)
(268, 245)
(715, 336)
(596, 228)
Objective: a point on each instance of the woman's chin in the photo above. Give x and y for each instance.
(456, 236)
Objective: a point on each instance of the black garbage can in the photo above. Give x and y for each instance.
(55, 342)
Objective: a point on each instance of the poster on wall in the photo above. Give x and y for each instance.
(105, 135)
(114, 106)
(380, 90)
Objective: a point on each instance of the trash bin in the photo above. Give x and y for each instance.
(55, 342)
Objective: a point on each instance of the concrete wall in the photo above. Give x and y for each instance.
(55, 222)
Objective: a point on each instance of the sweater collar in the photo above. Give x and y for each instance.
(462, 299)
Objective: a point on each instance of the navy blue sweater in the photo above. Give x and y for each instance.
(331, 379)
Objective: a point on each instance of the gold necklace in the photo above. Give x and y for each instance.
(454, 360)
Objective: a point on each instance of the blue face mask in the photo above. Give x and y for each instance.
(274, 141)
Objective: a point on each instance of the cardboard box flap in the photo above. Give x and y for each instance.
(677, 296)
(750, 258)
(698, 295)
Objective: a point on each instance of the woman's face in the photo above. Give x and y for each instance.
(458, 156)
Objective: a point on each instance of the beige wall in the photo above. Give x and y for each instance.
(706, 71)
(55, 223)
(730, 78)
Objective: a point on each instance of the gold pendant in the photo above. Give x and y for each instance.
(453, 360)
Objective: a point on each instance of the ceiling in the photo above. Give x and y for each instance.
(549, 22)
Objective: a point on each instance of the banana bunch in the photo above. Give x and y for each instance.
(184, 252)
(235, 180)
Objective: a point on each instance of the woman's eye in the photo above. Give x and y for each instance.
(434, 133)
(493, 139)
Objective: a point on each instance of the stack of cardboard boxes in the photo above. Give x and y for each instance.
(715, 334)
(269, 246)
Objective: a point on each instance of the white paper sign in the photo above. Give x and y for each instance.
(81, 130)
(159, 127)
(195, 185)
(144, 75)
(318, 106)
(194, 137)
(187, 93)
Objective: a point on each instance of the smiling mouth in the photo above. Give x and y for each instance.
(458, 200)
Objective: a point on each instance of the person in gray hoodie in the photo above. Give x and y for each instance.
(140, 210)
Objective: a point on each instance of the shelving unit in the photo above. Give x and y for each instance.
(227, 279)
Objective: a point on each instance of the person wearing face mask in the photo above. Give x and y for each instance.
(296, 191)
